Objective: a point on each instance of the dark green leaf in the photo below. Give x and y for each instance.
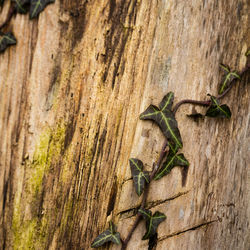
(21, 6)
(227, 78)
(152, 222)
(112, 227)
(217, 110)
(108, 235)
(6, 40)
(165, 119)
(146, 214)
(167, 102)
(1, 2)
(172, 160)
(38, 6)
(248, 53)
(139, 176)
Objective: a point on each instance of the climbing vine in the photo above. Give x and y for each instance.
(34, 7)
(164, 116)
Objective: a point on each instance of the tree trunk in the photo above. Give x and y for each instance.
(71, 92)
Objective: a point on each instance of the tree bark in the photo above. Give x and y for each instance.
(71, 92)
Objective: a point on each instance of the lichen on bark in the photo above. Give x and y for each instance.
(29, 223)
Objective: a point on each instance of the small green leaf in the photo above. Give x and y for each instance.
(21, 6)
(227, 78)
(248, 53)
(152, 222)
(165, 119)
(172, 160)
(217, 110)
(139, 176)
(108, 235)
(38, 6)
(6, 40)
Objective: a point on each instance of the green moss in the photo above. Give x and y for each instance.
(39, 164)
(24, 231)
(47, 152)
(67, 214)
(31, 233)
(66, 171)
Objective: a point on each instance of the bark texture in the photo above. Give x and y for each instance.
(71, 92)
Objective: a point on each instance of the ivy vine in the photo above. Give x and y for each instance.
(34, 7)
(164, 116)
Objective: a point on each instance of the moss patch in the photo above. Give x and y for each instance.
(28, 226)
(47, 153)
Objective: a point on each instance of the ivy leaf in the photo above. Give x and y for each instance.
(6, 40)
(38, 6)
(165, 119)
(172, 160)
(167, 102)
(152, 222)
(108, 235)
(217, 110)
(21, 6)
(139, 176)
(227, 78)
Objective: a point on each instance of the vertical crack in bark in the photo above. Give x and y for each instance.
(117, 36)
(112, 198)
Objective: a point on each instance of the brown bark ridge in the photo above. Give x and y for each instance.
(71, 92)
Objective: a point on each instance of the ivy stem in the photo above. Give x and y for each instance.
(145, 194)
(207, 103)
(202, 103)
(163, 153)
(9, 16)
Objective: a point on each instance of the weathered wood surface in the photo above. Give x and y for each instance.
(71, 92)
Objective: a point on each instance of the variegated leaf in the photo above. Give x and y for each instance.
(21, 6)
(167, 102)
(227, 78)
(165, 119)
(38, 6)
(152, 222)
(217, 110)
(6, 40)
(108, 235)
(140, 177)
(173, 159)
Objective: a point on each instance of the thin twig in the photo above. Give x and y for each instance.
(145, 194)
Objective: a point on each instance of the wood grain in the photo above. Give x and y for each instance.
(71, 92)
